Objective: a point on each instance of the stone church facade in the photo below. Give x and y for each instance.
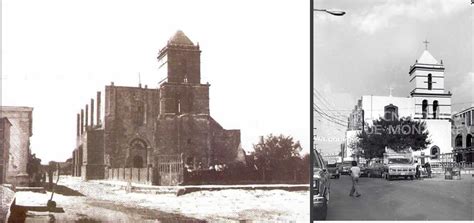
(142, 125)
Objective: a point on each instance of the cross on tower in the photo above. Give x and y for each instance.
(426, 44)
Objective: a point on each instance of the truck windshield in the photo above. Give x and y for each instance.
(399, 161)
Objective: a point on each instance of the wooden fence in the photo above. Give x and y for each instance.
(135, 175)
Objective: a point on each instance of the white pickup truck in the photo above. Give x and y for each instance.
(398, 164)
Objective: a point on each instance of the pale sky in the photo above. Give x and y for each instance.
(255, 54)
(372, 47)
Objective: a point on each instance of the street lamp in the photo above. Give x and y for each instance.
(336, 13)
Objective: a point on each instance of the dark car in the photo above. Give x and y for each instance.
(333, 170)
(321, 187)
(364, 171)
(375, 170)
(346, 167)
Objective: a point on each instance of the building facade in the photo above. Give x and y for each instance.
(428, 101)
(4, 148)
(463, 130)
(143, 126)
(21, 120)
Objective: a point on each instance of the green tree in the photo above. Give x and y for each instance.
(397, 134)
(278, 154)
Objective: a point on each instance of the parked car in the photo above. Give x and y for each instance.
(321, 187)
(333, 170)
(346, 167)
(375, 170)
(364, 171)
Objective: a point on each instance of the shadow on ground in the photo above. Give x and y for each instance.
(63, 190)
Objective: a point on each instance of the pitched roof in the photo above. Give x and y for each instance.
(180, 38)
(427, 58)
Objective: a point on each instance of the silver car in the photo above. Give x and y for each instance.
(321, 187)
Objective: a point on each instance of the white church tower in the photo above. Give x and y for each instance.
(432, 102)
(427, 83)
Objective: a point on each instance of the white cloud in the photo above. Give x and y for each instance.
(382, 16)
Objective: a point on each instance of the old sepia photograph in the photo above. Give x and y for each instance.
(393, 110)
(155, 111)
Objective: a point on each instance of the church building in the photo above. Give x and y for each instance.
(162, 129)
(428, 101)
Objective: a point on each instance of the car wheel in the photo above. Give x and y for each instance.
(411, 177)
(320, 213)
(389, 178)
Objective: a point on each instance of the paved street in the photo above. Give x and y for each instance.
(428, 199)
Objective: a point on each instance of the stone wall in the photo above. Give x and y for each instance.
(124, 106)
(184, 98)
(225, 143)
(20, 133)
(4, 148)
(92, 166)
(187, 134)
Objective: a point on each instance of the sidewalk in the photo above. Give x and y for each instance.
(180, 190)
(440, 177)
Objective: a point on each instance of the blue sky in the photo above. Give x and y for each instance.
(372, 47)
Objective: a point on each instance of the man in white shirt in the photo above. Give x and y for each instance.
(355, 173)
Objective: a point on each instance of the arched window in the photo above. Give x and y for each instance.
(435, 152)
(424, 108)
(458, 141)
(390, 112)
(430, 82)
(435, 109)
(468, 140)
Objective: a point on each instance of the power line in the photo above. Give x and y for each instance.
(329, 118)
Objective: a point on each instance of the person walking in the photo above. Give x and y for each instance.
(428, 169)
(355, 173)
(417, 173)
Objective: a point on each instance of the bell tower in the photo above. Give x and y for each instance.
(427, 84)
(182, 59)
(183, 92)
